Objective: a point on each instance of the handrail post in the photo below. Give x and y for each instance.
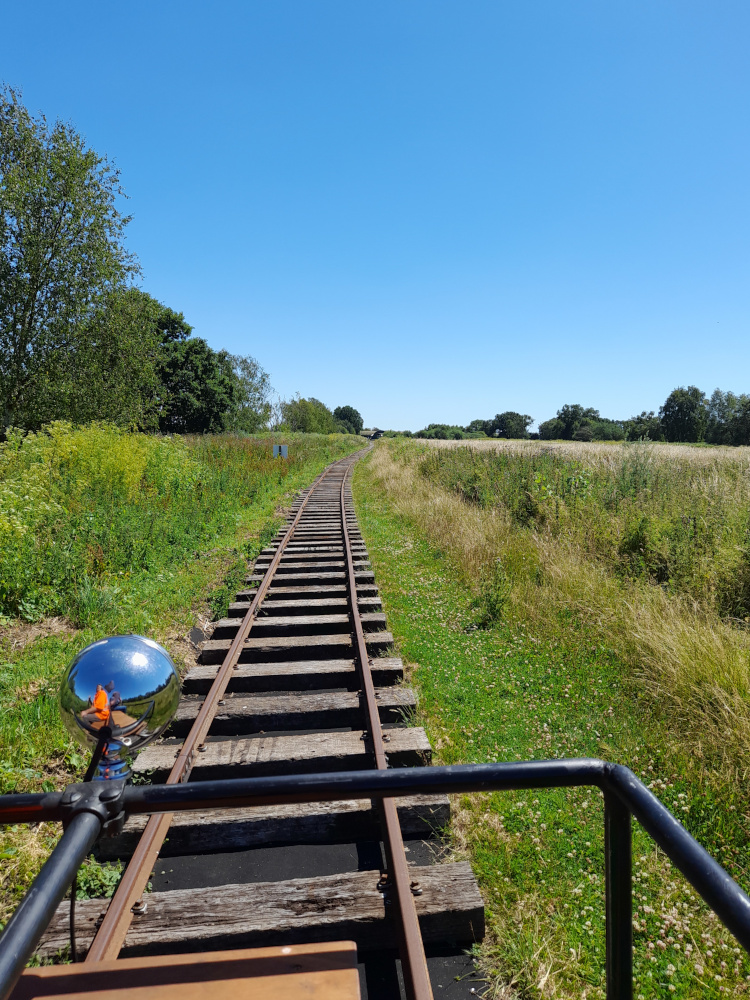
(618, 858)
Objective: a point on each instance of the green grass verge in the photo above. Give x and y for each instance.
(193, 570)
(501, 693)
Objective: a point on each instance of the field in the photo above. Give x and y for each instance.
(105, 532)
(566, 600)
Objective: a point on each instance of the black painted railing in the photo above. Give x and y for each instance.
(87, 809)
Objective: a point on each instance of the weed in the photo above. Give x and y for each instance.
(96, 880)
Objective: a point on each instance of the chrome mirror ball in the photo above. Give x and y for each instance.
(118, 694)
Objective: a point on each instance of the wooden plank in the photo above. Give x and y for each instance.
(311, 624)
(306, 605)
(310, 555)
(307, 567)
(240, 715)
(295, 675)
(293, 647)
(334, 576)
(301, 547)
(265, 755)
(311, 550)
(294, 911)
(320, 590)
(215, 830)
(324, 971)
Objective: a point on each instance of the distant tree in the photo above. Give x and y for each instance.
(684, 415)
(577, 423)
(584, 433)
(510, 425)
(309, 416)
(551, 430)
(197, 387)
(645, 427)
(740, 426)
(728, 418)
(478, 427)
(61, 253)
(442, 432)
(721, 407)
(605, 429)
(251, 405)
(350, 417)
(571, 416)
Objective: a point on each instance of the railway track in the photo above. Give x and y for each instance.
(300, 677)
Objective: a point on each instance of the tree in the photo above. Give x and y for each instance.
(112, 373)
(645, 427)
(478, 427)
(197, 387)
(350, 417)
(577, 423)
(510, 425)
(684, 415)
(740, 426)
(252, 396)
(61, 251)
(572, 416)
(551, 430)
(309, 416)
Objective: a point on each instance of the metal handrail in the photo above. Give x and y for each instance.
(624, 796)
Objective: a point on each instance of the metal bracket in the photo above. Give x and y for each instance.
(102, 798)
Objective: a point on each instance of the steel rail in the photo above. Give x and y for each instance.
(620, 786)
(113, 930)
(413, 959)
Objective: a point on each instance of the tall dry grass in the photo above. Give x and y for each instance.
(694, 664)
(604, 452)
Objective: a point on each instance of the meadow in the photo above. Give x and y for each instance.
(103, 532)
(569, 600)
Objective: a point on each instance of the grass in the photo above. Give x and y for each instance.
(532, 658)
(111, 533)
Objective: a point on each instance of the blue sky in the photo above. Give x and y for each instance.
(430, 210)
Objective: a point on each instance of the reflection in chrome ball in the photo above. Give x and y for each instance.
(124, 688)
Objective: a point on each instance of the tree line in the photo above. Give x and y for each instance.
(78, 339)
(687, 415)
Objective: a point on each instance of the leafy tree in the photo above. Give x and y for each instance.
(61, 252)
(572, 416)
(442, 432)
(350, 417)
(112, 373)
(197, 387)
(740, 427)
(605, 429)
(728, 417)
(577, 423)
(584, 433)
(307, 415)
(551, 430)
(479, 427)
(684, 415)
(509, 425)
(723, 409)
(645, 427)
(252, 396)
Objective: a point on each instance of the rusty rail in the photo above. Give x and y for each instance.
(114, 927)
(413, 960)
